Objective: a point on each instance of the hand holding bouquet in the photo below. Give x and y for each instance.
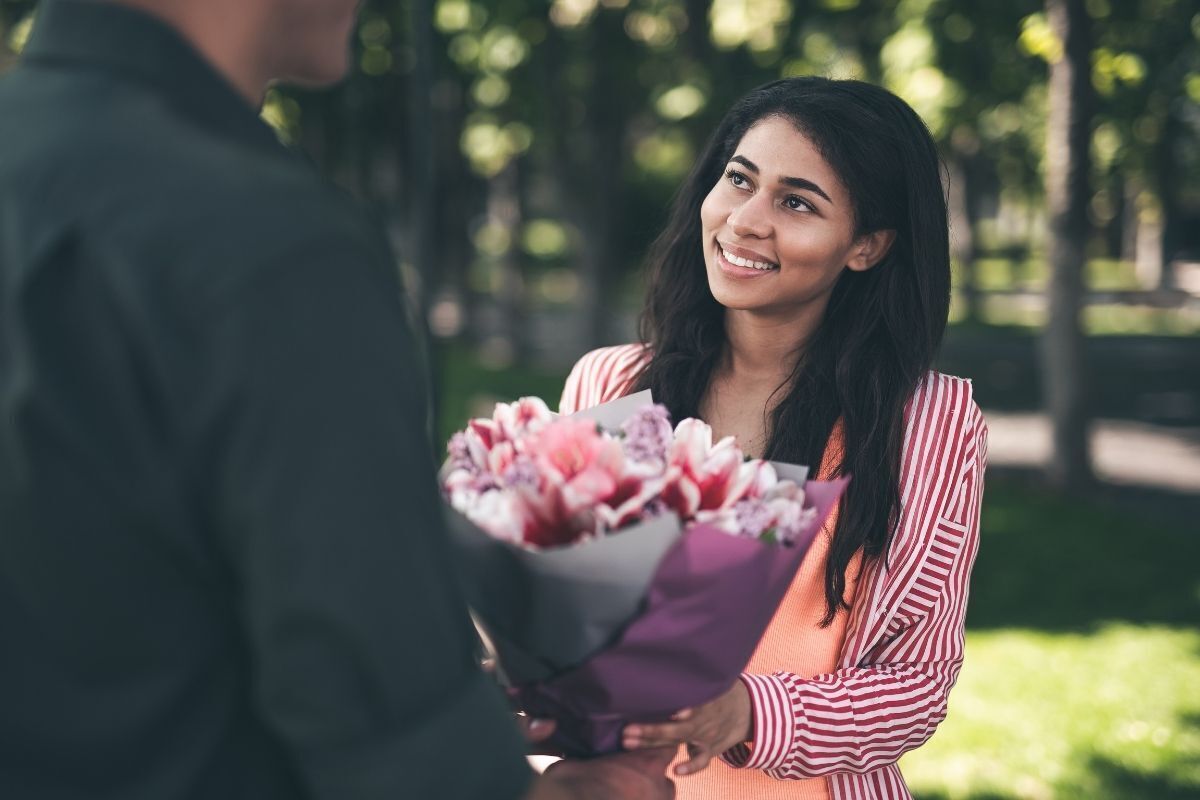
(622, 569)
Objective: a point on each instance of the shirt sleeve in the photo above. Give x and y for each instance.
(327, 509)
(862, 718)
(602, 375)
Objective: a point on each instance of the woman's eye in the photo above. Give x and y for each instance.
(797, 203)
(736, 178)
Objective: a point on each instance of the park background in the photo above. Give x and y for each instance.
(522, 154)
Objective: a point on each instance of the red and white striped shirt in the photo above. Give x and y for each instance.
(904, 641)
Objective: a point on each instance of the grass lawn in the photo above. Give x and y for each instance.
(1114, 713)
(1082, 677)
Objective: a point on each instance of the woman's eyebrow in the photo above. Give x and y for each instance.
(798, 183)
(804, 183)
(747, 163)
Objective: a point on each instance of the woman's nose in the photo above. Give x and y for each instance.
(749, 218)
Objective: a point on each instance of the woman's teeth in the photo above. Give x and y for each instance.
(745, 262)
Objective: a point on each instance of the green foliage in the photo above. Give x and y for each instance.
(586, 114)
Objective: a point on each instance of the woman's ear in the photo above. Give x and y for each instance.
(869, 249)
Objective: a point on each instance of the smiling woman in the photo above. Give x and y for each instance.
(763, 222)
(796, 301)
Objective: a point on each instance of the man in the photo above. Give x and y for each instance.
(222, 573)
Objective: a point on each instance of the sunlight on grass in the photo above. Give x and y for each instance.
(1114, 714)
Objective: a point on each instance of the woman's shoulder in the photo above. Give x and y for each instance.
(939, 395)
(602, 375)
(943, 411)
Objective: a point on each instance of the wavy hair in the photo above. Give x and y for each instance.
(881, 329)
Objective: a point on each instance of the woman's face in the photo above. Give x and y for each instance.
(778, 227)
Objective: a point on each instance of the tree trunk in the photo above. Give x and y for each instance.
(504, 209)
(588, 159)
(965, 200)
(1067, 195)
(1130, 190)
(600, 162)
(1166, 167)
(457, 202)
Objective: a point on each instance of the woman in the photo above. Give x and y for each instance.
(796, 301)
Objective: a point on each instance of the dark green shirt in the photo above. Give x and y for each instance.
(222, 568)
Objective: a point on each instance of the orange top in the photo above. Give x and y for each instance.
(794, 641)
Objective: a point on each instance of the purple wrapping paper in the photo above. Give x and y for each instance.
(706, 609)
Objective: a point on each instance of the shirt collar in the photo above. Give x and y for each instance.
(136, 45)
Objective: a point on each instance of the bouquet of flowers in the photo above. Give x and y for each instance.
(622, 569)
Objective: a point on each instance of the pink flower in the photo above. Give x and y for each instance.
(701, 476)
(486, 432)
(580, 470)
(525, 416)
(577, 459)
(502, 514)
(628, 502)
(777, 513)
(757, 477)
(501, 457)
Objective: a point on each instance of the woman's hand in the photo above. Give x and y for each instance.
(535, 731)
(708, 730)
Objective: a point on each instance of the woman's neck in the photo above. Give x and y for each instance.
(761, 348)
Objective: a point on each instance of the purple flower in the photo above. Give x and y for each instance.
(753, 517)
(522, 473)
(459, 454)
(484, 482)
(648, 435)
(655, 508)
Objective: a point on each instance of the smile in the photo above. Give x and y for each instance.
(743, 263)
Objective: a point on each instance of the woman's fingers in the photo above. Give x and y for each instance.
(636, 737)
(537, 730)
(700, 757)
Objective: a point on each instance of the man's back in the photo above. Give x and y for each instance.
(214, 492)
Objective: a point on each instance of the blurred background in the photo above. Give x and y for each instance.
(522, 154)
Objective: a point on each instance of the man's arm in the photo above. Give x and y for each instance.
(328, 511)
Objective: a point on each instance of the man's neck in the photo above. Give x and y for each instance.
(229, 34)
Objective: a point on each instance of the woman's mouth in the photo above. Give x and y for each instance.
(741, 266)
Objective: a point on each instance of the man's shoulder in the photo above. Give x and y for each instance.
(194, 175)
(178, 211)
(119, 157)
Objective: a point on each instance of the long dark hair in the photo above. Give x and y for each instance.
(881, 329)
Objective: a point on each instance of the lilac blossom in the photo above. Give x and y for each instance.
(648, 436)
(753, 517)
(459, 454)
(522, 473)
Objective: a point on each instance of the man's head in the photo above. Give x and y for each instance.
(308, 40)
(253, 42)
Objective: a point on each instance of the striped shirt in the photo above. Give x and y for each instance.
(904, 641)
